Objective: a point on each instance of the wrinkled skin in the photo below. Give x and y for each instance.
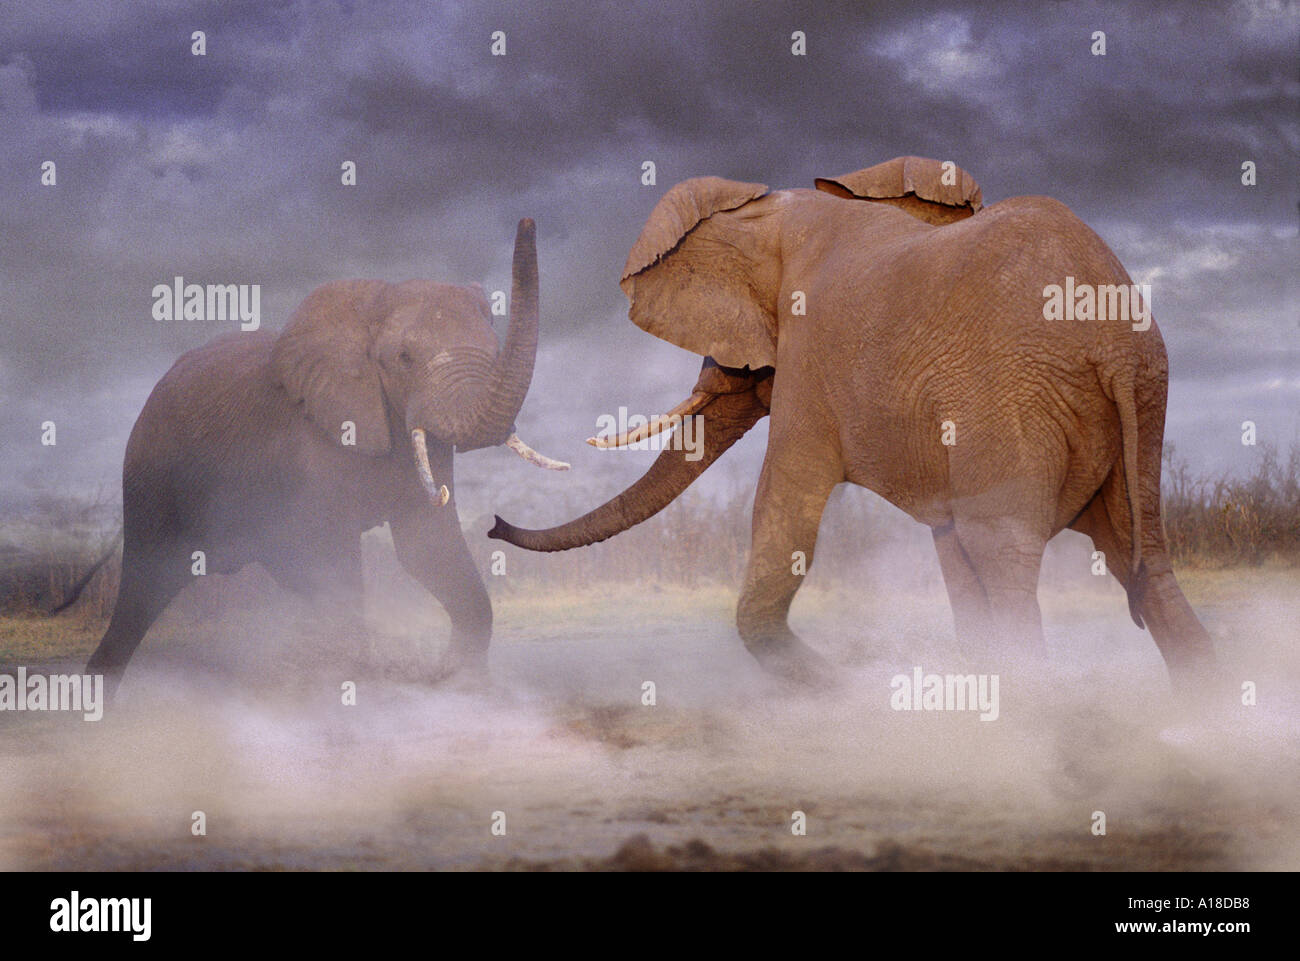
(909, 324)
(240, 452)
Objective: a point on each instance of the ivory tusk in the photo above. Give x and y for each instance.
(530, 455)
(438, 493)
(669, 420)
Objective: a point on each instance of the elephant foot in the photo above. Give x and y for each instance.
(473, 678)
(112, 681)
(1201, 690)
(794, 661)
(463, 672)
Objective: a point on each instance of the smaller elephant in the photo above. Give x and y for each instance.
(283, 449)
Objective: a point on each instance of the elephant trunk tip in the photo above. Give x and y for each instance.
(546, 542)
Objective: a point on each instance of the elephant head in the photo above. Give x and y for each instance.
(938, 192)
(414, 360)
(704, 275)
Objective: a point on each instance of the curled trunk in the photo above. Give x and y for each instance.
(726, 419)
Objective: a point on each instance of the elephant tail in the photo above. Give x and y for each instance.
(1123, 390)
(74, 592)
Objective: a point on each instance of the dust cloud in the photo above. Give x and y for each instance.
(236, 711)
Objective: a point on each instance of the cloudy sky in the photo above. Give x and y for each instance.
(225, 168)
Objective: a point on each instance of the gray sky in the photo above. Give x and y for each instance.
(225, 169)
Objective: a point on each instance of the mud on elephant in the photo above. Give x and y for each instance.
(921, 314)
(282, 449)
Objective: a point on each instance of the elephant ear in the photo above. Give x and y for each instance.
(322, 361)
(688, 278)
(913, 184)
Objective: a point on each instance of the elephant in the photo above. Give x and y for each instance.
(893, 328)
(283, 449)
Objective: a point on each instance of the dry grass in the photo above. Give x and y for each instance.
(1226, 520)
(47, 550)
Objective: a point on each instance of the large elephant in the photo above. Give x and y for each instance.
(283, 449)
(895, 331)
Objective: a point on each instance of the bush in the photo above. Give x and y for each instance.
(1233, 521)
(52, 546)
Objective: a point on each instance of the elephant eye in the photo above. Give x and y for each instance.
(405, 357)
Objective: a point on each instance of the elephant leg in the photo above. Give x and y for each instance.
(1181, 638)
(1004, 483)
(1184, 643)
(970, 606)
(1006, 553)
(432, 549)
(1095, 522)
(792, 493)
(150, 580)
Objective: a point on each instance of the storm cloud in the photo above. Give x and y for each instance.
(225, 168)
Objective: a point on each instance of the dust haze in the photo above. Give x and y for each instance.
(234, 709)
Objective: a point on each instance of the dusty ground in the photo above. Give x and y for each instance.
(238, 715)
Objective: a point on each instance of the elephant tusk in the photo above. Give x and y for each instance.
(438, 493)
(669, 420)
(530, 455)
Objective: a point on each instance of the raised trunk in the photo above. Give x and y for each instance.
(513, 371)
(726, 419)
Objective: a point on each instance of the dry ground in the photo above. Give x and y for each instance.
(238, 715)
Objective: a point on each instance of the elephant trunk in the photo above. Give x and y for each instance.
(513, 369)
(726, 418)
